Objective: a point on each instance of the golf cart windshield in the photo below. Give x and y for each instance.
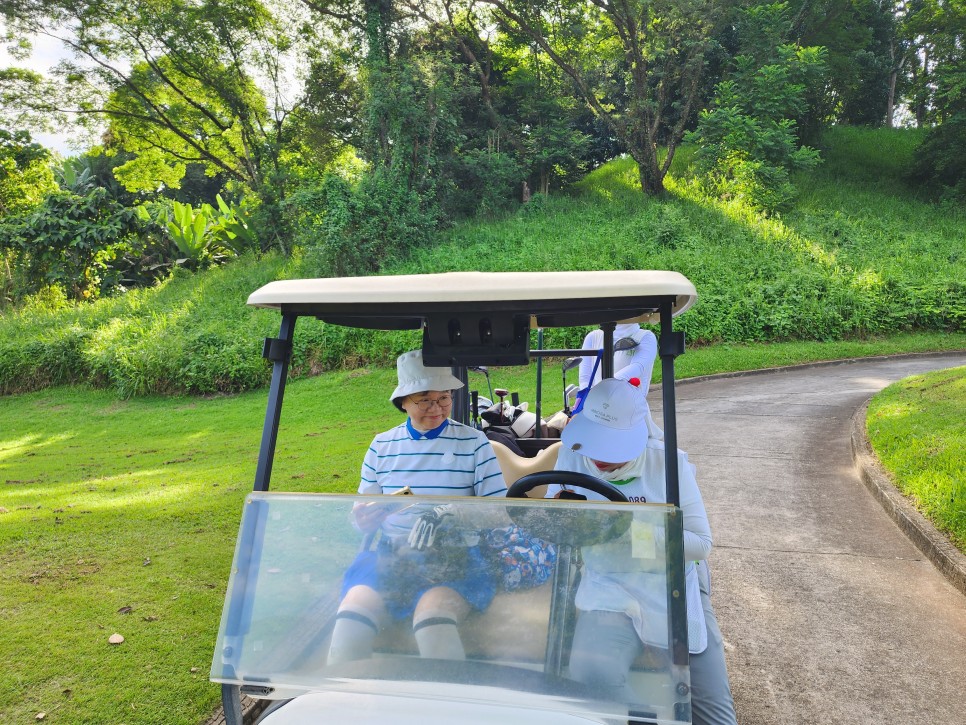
(286, 584)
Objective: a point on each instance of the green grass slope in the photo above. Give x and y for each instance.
(859, 256)
(917, 428)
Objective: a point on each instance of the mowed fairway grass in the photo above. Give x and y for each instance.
(120, 516)
(917, 428)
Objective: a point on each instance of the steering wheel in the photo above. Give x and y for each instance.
(527, 483)
(572, 525)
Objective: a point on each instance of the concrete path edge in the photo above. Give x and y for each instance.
(949, 560)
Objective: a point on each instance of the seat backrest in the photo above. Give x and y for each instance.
(515, 467)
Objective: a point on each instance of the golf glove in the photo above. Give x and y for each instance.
(424, 531)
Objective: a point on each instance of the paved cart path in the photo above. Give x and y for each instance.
(829, 613)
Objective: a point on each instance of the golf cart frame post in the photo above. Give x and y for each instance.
(465, 323)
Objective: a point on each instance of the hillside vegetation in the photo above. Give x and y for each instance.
(859, 255)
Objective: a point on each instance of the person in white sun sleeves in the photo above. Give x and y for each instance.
(424, 565)
(609, 440)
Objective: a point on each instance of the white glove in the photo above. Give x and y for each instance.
(424, 531)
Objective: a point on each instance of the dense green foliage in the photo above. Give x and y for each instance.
(941, 160)
(25, 176)
(748, 141)
(74, 241)
(857, 256)
(917, 428)
(356, 130)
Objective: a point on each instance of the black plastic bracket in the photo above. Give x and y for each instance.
(671, 343)
(276, 350)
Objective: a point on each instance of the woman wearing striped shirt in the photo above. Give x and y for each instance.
(417, 571)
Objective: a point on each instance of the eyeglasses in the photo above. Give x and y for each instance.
(426, 405)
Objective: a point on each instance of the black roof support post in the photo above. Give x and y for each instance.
(279, 351)
(607, 361)
(670, 345)
(461, 399)
(232, 705)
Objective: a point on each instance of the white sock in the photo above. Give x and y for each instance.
(352, 637)
(438, 638)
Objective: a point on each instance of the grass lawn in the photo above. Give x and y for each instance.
(120, 516)
(917, 428)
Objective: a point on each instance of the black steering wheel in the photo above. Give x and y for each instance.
(527, 483)
(572, 525)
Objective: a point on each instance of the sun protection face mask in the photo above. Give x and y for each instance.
(631, 469)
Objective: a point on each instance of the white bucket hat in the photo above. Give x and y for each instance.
(414, 377)
(612, 425)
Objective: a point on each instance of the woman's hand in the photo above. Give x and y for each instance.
(369, 515)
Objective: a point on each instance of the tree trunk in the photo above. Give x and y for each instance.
(891, 101)
(893, 74)
(648, 169)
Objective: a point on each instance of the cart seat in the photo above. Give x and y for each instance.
(515, 467)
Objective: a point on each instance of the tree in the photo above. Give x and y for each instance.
(748, 141)
(859, 41)
(940, 27)
(25, 174)
(211, 82)
(638, 65)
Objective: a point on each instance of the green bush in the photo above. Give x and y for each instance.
(940, 161)
(367, 226)
(72, 240)
(748, 141)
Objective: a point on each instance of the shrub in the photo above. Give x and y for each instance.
(940, 161)
(73, 240)
(367, 226)
(748, 141)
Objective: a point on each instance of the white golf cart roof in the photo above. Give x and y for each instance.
(551, 298)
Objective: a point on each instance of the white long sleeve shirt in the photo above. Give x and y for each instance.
(615, 583)
(638, 362)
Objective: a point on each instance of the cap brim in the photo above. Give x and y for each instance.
(422, 385)
(610, 445)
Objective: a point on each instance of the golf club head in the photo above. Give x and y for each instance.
(625, 343)
(571, 392)
(571, 362)
(480, 369)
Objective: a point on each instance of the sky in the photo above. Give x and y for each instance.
(46, 53)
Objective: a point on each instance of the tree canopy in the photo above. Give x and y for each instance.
(355, 128)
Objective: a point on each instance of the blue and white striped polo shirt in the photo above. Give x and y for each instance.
(456, 461)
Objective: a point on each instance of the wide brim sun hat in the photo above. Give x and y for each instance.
(414, 377)
(612, 425)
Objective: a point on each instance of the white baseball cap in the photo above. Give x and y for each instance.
(414, 377)
(612, 425)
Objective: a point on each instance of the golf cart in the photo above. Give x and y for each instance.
(293, 548)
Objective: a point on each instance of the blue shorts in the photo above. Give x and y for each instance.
(402, 581)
